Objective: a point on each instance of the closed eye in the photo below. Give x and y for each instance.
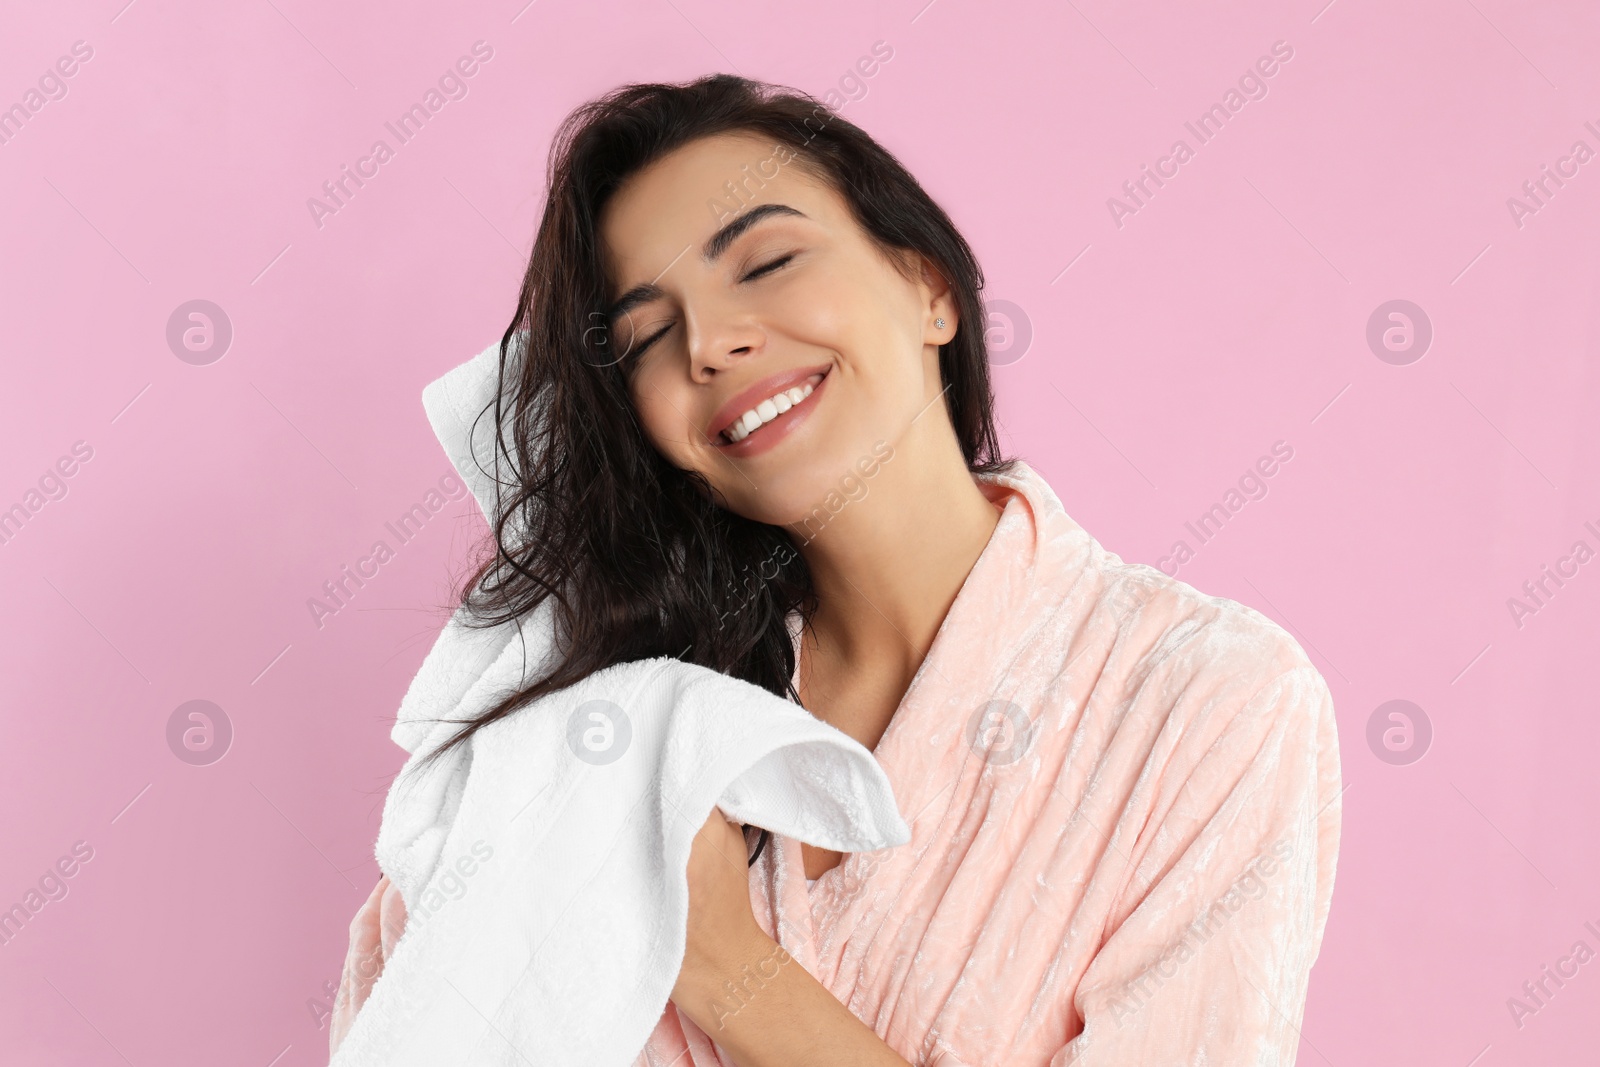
(639, 351)
(768, 268)
(761, 271)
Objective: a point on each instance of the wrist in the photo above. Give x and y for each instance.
(716, 984)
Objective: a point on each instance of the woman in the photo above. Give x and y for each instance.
(753, 428)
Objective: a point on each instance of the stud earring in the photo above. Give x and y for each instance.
(938, 324)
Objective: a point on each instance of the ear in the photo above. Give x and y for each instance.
(940, 304)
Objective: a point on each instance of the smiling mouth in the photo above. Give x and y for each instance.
(769, 410)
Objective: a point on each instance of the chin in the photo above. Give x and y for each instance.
(813, 488)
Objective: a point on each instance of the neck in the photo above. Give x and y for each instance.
(888, 565)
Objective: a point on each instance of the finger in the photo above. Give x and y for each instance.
(364, 936)
(364, 960)
(719, 834)
(367, 913)
(391, 919)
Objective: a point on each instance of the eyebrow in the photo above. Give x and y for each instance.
(714, 247)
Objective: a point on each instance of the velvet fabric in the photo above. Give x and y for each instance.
(1124, 801)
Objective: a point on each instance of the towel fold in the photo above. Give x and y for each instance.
(543, 863)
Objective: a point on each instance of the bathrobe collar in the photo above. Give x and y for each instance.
(1036, 550)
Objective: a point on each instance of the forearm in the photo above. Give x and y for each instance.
(766, 1010)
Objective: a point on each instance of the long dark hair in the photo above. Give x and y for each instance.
(639, 558)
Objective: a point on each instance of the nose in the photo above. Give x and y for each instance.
(719, 338)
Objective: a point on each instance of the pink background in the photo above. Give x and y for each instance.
(1167, 354)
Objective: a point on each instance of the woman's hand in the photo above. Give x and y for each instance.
(373, 934)
(742, 988)
(721, 924)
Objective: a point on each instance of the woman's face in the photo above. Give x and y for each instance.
(728, 309)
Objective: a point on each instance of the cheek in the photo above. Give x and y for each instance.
(661, 416)
(849, 313)
(835, 306)
(823, 306)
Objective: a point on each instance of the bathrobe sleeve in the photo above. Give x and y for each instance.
(1225, 869)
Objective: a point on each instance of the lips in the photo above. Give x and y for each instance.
(749, 398)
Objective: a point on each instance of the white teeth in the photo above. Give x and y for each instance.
(766, 411)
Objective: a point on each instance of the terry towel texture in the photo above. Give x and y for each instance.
(543, 863)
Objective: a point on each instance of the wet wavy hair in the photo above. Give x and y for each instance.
(639, 558)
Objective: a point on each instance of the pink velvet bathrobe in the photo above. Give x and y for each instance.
(1124, 804)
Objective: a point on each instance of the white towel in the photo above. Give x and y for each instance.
(543, 864)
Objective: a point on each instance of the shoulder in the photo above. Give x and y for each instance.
(1141, 605)
(1227, 630)
(1204, 656)
(1212, 694)
(1146, 633)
